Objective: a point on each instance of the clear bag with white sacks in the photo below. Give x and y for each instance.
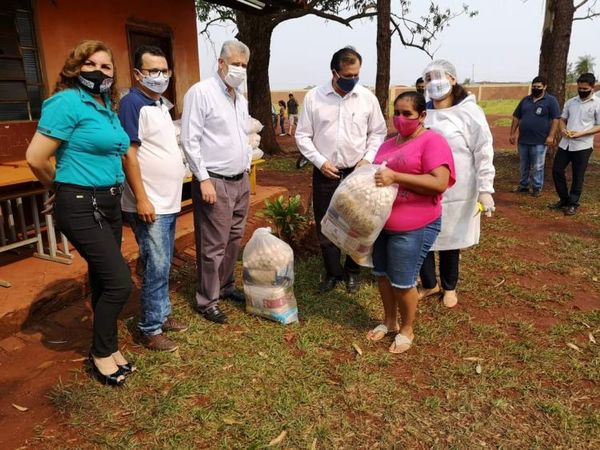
(357, 213)
(269, 277)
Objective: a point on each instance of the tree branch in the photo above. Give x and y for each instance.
(422, 46)
(583, 2)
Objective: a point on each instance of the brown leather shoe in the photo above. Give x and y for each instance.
(158, 342)
(174, 326)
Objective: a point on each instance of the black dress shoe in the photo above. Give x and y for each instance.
(536, 193)
(558, 205)
(235, 295)
(521, 190)
(328, 284)
(214, 314)
(570, 210)
(352, 283)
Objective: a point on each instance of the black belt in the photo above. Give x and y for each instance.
(117, 189)
(237, 177)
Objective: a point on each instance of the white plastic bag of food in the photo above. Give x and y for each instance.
(357, 213)
(269, 277)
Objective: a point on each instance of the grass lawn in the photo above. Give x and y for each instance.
(494, 372)
(499, 107)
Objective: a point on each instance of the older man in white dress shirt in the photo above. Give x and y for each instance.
(215, 141)
(341, 127)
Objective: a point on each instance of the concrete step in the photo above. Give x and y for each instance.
(40, 287)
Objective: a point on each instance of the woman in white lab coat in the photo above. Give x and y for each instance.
(454, 113)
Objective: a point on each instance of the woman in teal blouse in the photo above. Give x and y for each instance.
(80, 128)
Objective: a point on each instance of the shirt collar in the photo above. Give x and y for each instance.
(147, 100)
(89, 98)
(329, 90)
(224, 87)
(592, 97)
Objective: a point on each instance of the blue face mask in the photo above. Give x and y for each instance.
(346, 84)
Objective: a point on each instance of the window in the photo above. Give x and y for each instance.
(21, 89)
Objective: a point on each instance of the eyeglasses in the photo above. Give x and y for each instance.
(155, 73)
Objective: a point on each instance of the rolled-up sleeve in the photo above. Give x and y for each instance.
(59, 117)
(192, 127)
(376, 131)
(305, 133)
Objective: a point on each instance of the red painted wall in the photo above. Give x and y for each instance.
(61, 24)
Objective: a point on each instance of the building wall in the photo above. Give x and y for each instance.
(61, 24)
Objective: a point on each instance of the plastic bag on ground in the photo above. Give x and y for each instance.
(357, 213)
(269, 277)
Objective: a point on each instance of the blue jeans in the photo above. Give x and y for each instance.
(532, 158)
(156, 242)
(400, 255)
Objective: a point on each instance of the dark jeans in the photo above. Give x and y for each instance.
(323, 189)
(99, 243)
(579, 161)
(449, 261)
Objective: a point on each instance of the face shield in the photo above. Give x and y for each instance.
(439, 76)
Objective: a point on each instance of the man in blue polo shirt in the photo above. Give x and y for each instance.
(152, 197)
(536, 117)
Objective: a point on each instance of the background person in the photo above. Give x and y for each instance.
(81, 129)
(536, 117)
(215, 141)
(292, 107)
(420, 162)
(580, 121)
(341, 127)
(152, 197)
(282, 117)
(420, 86)
(455, 115)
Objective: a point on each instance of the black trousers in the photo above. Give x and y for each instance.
(98, 241)
(449, 261)
(323, 189)
(579, 162)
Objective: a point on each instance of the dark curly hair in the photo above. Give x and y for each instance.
(67, 78)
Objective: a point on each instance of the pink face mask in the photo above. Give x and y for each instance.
(406, 126)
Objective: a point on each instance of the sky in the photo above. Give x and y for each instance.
(500, 44)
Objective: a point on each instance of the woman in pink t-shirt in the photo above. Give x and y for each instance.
(420, 162)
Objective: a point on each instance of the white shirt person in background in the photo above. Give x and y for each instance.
(580, 121)
(341, 127)
(215, 140)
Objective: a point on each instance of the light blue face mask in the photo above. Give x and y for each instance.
(158, 84)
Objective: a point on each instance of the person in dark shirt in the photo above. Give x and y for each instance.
(536, 118)
(292, 106)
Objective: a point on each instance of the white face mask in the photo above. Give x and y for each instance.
(158, 85)
(438, 89)
(235, 76)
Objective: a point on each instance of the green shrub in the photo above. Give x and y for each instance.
(287, 217)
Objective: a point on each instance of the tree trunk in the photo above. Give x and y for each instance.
(556, 40)
(384, 41)
(255, 31)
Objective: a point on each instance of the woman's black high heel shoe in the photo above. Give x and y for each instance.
(127, 369)
(114, 379)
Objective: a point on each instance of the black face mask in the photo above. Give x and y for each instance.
(536, 92)
(95, 82)
(583, 94)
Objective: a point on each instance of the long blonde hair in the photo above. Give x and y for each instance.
(67, 78)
